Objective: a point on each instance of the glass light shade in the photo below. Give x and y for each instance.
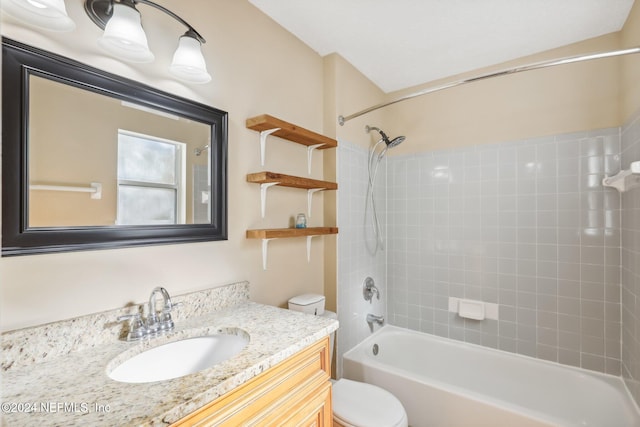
(188, 63)
(46, 14)
(124, 37)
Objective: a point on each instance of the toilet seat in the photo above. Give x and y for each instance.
(357, 404)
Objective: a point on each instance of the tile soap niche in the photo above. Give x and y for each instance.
(473, 309)
(624, 180)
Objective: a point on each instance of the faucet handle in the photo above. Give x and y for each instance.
(368, 289)
(165, 322)
(137, 330)
(171, 306)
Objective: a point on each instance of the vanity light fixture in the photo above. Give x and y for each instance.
(123, 35)
(48, 14)
(125, 38)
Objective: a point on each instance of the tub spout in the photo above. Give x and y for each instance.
(372, 318)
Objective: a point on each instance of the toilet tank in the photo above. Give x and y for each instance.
(308, 303)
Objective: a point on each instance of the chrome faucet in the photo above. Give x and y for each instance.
(368, 289)
(372, 318)
(156, 322)
(163, 322)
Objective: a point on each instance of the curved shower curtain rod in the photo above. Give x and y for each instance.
(544, 64)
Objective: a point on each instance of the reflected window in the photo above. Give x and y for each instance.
(151, 180)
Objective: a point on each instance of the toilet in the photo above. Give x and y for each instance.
(355, 404)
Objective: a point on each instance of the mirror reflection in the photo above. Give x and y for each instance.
(94, 160)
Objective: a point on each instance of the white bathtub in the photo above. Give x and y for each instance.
(446, 383)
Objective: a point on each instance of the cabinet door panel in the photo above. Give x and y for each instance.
(313, 410)
(277, 391)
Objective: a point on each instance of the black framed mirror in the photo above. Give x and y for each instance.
(91, 160)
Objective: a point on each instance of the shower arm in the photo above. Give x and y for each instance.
(535, 66)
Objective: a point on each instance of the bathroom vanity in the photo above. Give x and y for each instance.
(58, 374)
(295, 392)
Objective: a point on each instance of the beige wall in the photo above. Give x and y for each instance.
(630, 37)
(353, 92)
(584, 96)
(543, 102)
(257, 67)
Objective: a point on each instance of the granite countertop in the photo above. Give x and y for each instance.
(74, 389)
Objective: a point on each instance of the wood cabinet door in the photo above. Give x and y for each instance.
(295, 392)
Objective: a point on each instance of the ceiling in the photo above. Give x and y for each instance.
(403, 43)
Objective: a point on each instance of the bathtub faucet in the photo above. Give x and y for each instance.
(371, 318)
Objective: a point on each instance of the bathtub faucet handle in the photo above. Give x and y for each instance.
(368, 289)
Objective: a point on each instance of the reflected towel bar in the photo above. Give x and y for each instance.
(95, 189)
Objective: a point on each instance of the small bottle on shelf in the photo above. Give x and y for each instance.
(301, 221)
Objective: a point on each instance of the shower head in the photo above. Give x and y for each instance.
(389, 143)
(199, 150)
(395, 141)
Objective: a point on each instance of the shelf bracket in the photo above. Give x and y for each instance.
(310, 150)
(310, 194)
(265, 251)
(263, 195)
(263, 142)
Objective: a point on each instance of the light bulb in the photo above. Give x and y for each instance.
(188, 63)
(124, 37)
(46, 14)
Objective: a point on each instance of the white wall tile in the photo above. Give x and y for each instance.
(525, 199)
(525, 224)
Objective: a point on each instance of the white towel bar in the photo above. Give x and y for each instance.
(95, 189)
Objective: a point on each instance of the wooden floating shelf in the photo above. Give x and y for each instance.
(269, 125)
(290, 131)
(290, 181)
(277, 233)
(269, 179)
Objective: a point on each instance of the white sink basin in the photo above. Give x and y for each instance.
(179, 358)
